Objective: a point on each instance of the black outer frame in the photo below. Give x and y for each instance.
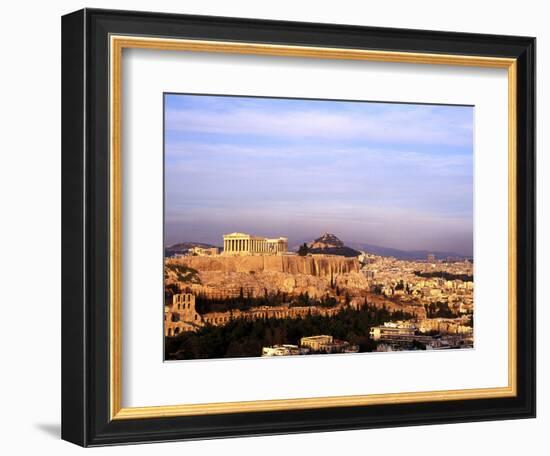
(85, 227)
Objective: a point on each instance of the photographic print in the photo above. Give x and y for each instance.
(297, 195)
(298, 227)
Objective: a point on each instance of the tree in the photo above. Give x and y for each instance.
(240, 337)
(170, 290)
(303, 250)
(303, 299)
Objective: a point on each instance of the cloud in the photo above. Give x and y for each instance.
(397, 175)
(188, 155)
(390, 124)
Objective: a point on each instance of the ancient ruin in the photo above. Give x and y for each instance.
(246, 244)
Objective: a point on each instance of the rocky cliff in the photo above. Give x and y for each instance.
(316, 265)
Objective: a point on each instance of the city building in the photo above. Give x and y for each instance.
(246, 244)
(283, 350)
(316, 343)
(327, 344)
(392, 331)
(402, 335)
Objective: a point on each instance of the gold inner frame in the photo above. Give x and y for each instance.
(117, 44)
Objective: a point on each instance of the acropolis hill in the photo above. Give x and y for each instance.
(255, 266)
(258, 266)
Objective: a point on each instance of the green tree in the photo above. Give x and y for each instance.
(303, 250)
(170, 290)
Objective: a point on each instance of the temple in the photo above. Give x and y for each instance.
(246, 244)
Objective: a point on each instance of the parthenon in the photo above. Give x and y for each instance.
(246, 244)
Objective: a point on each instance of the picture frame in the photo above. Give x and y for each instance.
(93, 42)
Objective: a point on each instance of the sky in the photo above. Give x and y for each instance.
(389, 174)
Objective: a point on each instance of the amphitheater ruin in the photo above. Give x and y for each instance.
(182, 315)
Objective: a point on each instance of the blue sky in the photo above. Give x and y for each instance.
(395, 175)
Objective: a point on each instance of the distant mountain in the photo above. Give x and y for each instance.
(183, 247)
(406, 254)
(330, 244)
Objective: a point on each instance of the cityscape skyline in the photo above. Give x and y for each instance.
(387, 174)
